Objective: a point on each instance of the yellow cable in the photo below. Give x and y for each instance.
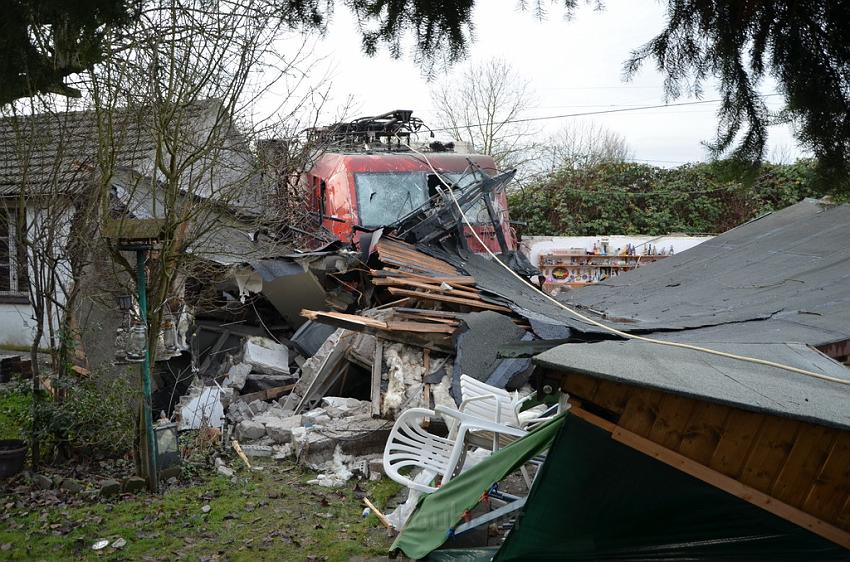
(615, 331)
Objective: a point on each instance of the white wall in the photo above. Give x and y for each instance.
(17, 325)
(533, 246)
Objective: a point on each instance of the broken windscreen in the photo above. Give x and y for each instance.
(383, 198)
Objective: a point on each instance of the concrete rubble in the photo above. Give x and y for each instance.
(324, 387)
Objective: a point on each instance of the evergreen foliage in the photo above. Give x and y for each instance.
(629, 198)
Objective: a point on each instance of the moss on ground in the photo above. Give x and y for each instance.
(271, 514)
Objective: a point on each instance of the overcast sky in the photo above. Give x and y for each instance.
(573, 66)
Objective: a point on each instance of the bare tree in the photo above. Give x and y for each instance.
(481, 105)
(579, 145)
(176, 131)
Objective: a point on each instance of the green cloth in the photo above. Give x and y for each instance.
(437, 513)
(597, 499)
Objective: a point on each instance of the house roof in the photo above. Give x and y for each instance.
(55, 153)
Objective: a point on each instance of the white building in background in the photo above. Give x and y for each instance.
(576, 261)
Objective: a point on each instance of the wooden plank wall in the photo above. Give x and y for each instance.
(803, 467)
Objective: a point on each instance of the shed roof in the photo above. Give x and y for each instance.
(718, 379)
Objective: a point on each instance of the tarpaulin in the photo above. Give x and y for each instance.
(597, 499)
(437, 514)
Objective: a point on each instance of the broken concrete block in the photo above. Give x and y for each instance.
(316, 416)
(266, 356)
(254, 451)
(258, 406)
(279, 428)
(237, 375)
(224, 471)
(249, 430)
(281, 452)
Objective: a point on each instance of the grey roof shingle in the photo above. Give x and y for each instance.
(54, 153)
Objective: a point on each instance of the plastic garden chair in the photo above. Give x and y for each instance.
(409, 445)
(498, 405)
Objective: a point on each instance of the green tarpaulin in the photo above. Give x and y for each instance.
(596, 499)
(438, 513)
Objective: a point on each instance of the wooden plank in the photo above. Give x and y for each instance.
(377, 364)
(739, 433)
(612, 396)
(843, 519)
(671, 420)
(592, 418)
(365, 324)
(450, 279)
(832, 484)
(772, 447)
(703, 431)
(268, 394)
(402, 254)
(457, 291)
(580, 386)
(425, 318)
(732, 486)
(809, 452)
(641, 410)
(446, 298)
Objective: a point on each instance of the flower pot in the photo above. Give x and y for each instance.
(13, 453)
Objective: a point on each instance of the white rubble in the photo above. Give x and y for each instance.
(266, 356)
(201, 408)
(249, 430)
(237, 375)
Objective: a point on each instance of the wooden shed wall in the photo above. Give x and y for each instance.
(797, 470)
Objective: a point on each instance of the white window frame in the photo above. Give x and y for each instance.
(15, 291)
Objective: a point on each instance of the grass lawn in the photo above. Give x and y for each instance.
(271, 514)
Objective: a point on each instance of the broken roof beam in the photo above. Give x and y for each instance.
(450, 279)
(472, 303)
(419, 334)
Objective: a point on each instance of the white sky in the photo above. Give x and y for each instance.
(572, 66)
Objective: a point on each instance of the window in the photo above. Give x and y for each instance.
(383, 198)
(477, 213)
(13, 263)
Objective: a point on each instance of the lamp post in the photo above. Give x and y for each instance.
(140, 236)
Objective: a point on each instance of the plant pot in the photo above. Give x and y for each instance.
(13, 453)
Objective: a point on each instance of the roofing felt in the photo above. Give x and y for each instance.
(789, 270)
(718, 379)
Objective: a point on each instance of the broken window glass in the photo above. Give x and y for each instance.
(383, 198)
(477, 213)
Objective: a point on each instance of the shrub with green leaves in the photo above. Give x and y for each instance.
(629, 198)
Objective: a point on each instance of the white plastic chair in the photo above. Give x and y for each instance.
(498, 405)
(411, 446)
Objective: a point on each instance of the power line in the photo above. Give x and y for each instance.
(601, 112)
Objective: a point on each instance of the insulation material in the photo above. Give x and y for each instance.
(336, 472)
(404, 374)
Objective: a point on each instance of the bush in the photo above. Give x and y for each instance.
(96, 415)
(628, 198)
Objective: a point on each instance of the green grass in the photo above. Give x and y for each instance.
(14, 413)
(269, 515)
